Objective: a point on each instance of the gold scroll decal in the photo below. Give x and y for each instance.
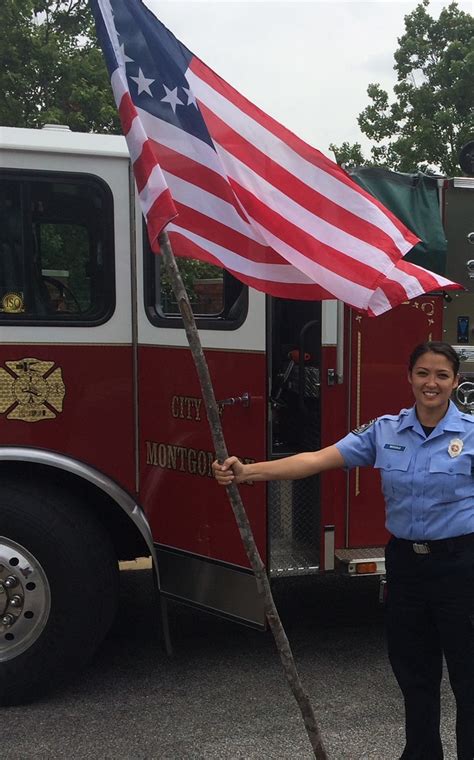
(169, 456)
(358, 391)
(31, 390)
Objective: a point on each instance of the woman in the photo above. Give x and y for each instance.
(426, 458)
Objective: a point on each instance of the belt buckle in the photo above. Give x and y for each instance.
(421, 548)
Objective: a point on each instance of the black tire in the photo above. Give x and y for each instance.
(58, 562)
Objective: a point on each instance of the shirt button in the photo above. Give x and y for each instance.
(450, 469)
(389, 466)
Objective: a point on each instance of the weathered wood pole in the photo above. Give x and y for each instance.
(248, 540)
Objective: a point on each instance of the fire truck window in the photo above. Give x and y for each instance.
(204, 284)
(56, 249)
(64, 266)
(218, 299)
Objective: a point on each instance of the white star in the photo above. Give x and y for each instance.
(143, 83)
(125, 57)
(171, 97)
(191, 96)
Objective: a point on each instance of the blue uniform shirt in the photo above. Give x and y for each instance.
(428, 484)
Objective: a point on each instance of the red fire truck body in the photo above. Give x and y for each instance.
(105, 451)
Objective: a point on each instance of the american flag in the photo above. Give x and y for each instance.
(235, 188)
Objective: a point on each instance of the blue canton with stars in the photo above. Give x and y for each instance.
(155, 64)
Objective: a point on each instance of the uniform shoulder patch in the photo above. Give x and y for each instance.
(362, 428)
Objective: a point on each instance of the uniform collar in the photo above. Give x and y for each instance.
(452, 421)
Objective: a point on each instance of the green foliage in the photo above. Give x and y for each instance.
(51, 69)
(191, 270)
(65, 247)
(432, 116)
(347, 154)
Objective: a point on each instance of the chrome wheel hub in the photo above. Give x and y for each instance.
(25, 599)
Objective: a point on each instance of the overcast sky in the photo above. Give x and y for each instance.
(307, 64)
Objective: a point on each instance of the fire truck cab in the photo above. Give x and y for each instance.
(105, 452)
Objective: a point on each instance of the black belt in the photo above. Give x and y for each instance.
(441, 545)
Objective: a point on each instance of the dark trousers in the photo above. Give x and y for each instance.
(430, 612)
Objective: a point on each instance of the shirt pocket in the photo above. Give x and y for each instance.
(450, 477)
(395, 472)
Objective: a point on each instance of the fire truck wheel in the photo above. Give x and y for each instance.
(58, 588)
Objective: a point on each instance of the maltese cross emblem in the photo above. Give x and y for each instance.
(31, 390)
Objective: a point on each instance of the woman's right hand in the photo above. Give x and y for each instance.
(231, 470)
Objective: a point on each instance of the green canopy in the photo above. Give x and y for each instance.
(413, 198)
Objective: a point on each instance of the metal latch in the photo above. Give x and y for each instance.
(244, 399)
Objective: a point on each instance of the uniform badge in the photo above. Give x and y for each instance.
(361, 428)
(455, 447)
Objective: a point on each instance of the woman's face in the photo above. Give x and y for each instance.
(433, 381)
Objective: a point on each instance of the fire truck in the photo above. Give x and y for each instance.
(105, 451)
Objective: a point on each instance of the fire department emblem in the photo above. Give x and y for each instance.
(31, 390)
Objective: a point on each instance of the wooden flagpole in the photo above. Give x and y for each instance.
(245, 529)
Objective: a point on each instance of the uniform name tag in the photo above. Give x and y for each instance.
(394, 447)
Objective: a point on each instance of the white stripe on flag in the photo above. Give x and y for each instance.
(378, 302)
(187, 145)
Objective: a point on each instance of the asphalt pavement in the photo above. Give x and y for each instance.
(224, 696)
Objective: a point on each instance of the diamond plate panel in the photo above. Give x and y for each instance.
(311, 381)
(294, 533)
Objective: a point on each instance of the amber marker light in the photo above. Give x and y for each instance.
(364, 568)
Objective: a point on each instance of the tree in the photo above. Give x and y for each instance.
(433, 113)
(51, 68)
(347, 154)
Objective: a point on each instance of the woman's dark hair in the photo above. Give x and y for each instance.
(435, 347)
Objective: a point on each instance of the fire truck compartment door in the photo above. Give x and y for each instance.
(379, 353)
(201, 558)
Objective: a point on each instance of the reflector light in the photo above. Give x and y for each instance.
(366, 567)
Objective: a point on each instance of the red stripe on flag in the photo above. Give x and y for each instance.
(161, 212)
(306, 196)
(426, 279)
(127, 113)
(300, 147)
(324, 255)
(145, 163)
(199, 175)
(218, 233)
(393, 291)
(250, 109)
